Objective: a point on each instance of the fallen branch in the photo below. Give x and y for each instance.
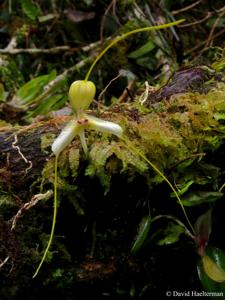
(55, 50)
(4, 262)
(12, 50)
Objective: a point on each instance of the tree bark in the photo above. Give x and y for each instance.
(21, 156)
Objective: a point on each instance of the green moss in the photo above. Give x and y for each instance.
(48, 172)
(10, 75)
(6, 202)
(187, 124)
(103, 165)
(46, 141)
(74, 160)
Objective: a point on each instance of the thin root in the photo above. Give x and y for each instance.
(21, 154)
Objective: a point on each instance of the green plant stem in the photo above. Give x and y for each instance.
(172, 218)
(53, 219)
(125, 35)
(139, 153)
(222, 187)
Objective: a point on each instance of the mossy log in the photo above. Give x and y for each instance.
(24, 150)
(185, 117)
(186, 124)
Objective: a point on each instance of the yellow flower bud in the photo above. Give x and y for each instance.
(81, 94)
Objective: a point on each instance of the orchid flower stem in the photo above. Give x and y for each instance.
(125, 35)
(154, 167)
(53, 219)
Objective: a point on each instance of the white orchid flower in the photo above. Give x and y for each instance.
(81, 94)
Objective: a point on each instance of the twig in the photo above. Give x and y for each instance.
(103, 19)
(10, 49)
(203, 43)
(221, 188)
(127, 92)
(138, 12)
(34, 200)
(112, 5)
(92, 46)
(171, 18)
(207, 16)
(175, 12)
(55, 50)
(220, 10)
(213, 28)
(62, 76)
(4, 262)
(164, 44)
(104, 90)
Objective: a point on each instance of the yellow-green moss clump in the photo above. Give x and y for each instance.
(185, 125)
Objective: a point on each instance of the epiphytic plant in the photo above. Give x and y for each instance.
(81, 94)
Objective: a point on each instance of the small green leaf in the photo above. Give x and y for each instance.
(172, 234)
(27, 93)
(142, 234)
(197, 198)
(182, 188)
(30, 9)
(146, 48)
(49, 104)
(147, 62)
(58, 273)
